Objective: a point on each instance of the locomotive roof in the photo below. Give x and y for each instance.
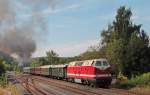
(102, 59)
(85, 62)
(26, 67)
(46, 66)
(58, 66)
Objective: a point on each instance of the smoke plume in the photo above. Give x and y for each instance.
(21, 26)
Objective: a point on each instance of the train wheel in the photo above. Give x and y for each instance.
(93, 85)
(88, 83)
(72, 80)
(107, 85)
(67, 80)
(83, 82)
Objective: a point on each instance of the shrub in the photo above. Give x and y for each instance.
(2, 68)
(121, 77)
(142, 80)
(3, 81)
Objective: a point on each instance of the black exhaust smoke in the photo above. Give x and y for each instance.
(20, 29)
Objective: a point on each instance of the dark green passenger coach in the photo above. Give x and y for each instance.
(59, 71)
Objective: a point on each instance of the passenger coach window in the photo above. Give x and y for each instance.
(98, 63)
(105, 63)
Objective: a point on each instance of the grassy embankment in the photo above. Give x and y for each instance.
(3, 85)
(139, 84)
(7, 89)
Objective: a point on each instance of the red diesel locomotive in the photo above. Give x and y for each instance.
(91, 72)
(96, 72)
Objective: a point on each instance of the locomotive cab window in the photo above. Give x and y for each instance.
(105, 63)
(98, 63)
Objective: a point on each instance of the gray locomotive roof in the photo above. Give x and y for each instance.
(58, 66)
(53, 66)
(26, 67)
(46, 66)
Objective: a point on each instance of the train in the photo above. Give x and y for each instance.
(94, 73)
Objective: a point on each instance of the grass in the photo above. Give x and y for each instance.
(143, 80)
(139, 84)
(5, 91)
(2, 91)
(9, 90)
(14, 90)
(3, 81)
(141, 90)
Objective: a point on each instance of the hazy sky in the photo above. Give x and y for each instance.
(74, 25)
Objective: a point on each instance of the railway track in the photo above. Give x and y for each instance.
(90, 91)
(63, 86)
(67, 87)
(33, 89)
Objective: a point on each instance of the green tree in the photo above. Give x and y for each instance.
(43, 61)
(35, 62)
(138, 55)
(124, 42)
(115, 53)
(2, 67)
(52, 57)
(92, 54)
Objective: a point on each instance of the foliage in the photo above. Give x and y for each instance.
(38, 62)
(52, 57)
(14, 90)
(139, 81)
(121, 77)
(92, 53)
(138, 54)
(6, 62)
(66, 60)
(2, 67)
(126, 45)
(3, 80)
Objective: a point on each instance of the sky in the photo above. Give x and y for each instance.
(75, 25)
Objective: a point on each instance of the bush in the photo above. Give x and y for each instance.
(139, 81)
(2, 68)
(121, 77)
(3, 81)
(143, 80)
(125, 85)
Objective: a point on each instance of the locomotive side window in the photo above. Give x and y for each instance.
(105, 63)
(98, 63)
